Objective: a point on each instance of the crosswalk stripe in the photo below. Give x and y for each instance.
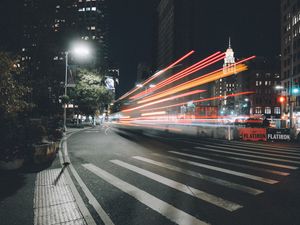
(92, 200)
(254, 152)
(215, 180)
(255, 148)
(241, 165)
(232, 172)
(233, 143)
(249, 155)
(174, 214)
(264, 145)
(212, 199)
(254, 161)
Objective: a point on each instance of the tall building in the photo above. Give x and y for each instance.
(228, 85)
(262, 78)
(175, 27)
(92, 25)
(49, 26)
(290, 52)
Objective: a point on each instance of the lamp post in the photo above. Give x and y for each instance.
(66, 86)
(81, 50)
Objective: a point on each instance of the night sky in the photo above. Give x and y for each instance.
(254, 27)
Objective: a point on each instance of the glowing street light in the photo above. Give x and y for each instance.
(295, 90)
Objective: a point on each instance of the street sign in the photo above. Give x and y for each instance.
(278, 134)
(253, 134)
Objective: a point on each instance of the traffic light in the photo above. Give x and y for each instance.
(281, 99)
(295, 90)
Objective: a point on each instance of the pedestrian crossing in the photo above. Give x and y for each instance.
(249, 170)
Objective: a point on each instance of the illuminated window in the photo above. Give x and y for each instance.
(277, 110)
(94, 8)
(93, 28)
(267, 110)
(257, 110)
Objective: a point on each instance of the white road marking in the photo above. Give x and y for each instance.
(215, 180)
(264, 146)
(249, 155)
(106, 130)
(92, 200)
(83, 209)
(254, 152)
(176, 215)
(212, 199)
(240, 144)
(239, 165)
(261, 149)
(255, 161)
(232, 172)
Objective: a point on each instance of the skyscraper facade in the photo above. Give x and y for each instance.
(290, 53)
(175, 27)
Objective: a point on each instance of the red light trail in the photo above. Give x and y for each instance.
(157, 74)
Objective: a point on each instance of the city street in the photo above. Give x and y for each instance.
(148, 179)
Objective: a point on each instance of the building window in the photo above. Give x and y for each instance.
(277, 110)
(267, 110)
(257, 110)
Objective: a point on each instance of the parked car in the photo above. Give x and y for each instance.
(254, 122)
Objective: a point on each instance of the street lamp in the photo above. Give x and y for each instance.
(81, 50)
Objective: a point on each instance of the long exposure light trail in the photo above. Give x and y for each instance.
(157, 74)
(195, 82)
(200, 100)
(154, 113)
(164, 100)
(199, 65)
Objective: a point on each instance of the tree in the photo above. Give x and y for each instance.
(89, 94)
(13, 105)
(12, 92)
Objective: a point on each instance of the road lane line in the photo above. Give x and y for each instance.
(212, 199)
(265, 146)
(232, 172)
(239, 165)
(225, 183)
(261, 149)
(249, 155)
(92, 200)
(82, 207)
(253, 161)
(176, 215)
(232, 143)
(253, 152)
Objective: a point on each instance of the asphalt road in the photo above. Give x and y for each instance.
(137, 179)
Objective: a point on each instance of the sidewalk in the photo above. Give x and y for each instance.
(38, 195)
